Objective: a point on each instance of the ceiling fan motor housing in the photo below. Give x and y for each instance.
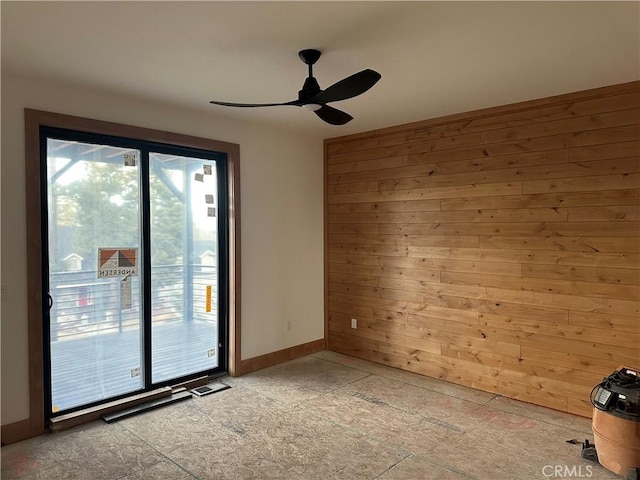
(309, 89)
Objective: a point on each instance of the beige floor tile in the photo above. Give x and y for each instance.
(95, 451)
(165, 470)
(419, 468)
(322, 416)
(523, 454)
(476, 440)
(380, 397)
(535, 412)
(583, 425)
(181, 426)
(296, 381)
(378, 419)
(238, 401)
(290, 446)
(434, 384)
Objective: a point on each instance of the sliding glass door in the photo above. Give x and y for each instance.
(184, 261)
(135, 266)
(95, 344)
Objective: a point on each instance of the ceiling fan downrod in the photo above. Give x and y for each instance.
(311, 87)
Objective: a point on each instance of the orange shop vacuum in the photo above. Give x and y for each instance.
(616, 422)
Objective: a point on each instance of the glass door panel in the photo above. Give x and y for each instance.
(93, 195)
(183, 196)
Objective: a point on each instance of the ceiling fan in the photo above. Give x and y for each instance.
(314, 98)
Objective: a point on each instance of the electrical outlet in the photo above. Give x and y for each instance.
(288, 325)
(354, 323)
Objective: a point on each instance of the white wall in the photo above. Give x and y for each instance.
(281, 226)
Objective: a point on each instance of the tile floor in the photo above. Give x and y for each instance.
(319, 417)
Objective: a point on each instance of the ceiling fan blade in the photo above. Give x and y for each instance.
(349, 87)
(333, 115)
(230, 104)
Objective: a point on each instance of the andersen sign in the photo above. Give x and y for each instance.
(117, 262)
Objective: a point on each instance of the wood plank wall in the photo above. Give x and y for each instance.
(498, 249)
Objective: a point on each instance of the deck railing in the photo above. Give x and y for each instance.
(85, 304)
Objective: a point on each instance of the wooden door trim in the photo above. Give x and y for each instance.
(34, 119)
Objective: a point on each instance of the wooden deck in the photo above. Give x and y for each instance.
(97, 366)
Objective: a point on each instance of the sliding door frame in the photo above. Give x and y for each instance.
(34, 119)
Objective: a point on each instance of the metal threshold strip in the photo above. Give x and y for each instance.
(175, 397)
(69, 420)
(157, 398)
(145, 407)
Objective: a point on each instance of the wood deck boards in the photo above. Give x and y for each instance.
(94, 367)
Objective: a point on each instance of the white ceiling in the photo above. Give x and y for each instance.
(436, 58)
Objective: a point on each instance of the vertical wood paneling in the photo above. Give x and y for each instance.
(498, 249)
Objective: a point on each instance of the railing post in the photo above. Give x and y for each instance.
(187, 257)
(119, 310)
